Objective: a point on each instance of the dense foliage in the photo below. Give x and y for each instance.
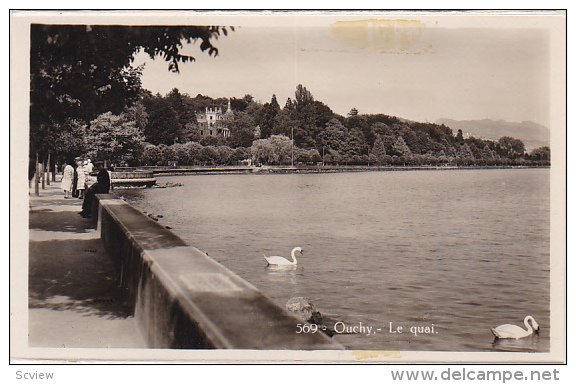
(87, 99)
(263, 133)
(78, 72)
(162, 130)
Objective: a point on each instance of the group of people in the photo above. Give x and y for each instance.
(75, 179)
(78, 182)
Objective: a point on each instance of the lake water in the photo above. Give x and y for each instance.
(460, 251)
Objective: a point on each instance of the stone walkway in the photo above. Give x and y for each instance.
(74, 298)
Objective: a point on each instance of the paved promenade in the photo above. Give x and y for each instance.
(74, 298)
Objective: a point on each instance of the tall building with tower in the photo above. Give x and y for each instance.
(213, 122)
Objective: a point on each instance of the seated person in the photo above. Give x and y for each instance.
(102, 185)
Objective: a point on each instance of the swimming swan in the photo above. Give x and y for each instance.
(509, 331)
(281, 261)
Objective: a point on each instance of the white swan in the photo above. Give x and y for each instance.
(509, 331)
(281, 261)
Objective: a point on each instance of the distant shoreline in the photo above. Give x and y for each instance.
(215, 170)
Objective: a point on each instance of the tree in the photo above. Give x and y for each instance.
(191, 132)
(379, 150)
(304, 112)
(302, 155)
(409, 137)
(379, 129)
(224, 154)
(163, 126)
(322, 115)
(314, 156)
(151, 155)
(239, 105)
(356, 144)
(194, 151)
(334, 136)
(239, 154)
(487, 153)
(241, 130)
(266, 117)
(307, 155)
(511, 147)
(540, 153)
(333, 157)
(276, 149)
(423, 142)
(180, 153)
(400, 148)
(262, 152)
(459, 136)
(82, 71)
(465, 155)
(182, 105)
(254, 108)
(360, 122)
(199, 103)
(213, 141)
(303, 97)
(353, 112)
(209, 155)
(63, 141)
(284, 122)
(289, 104)
(282, 146)
(113, 138)
(137, 113)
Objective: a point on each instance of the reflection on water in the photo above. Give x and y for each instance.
(527, 344)
(283, 274)
(461, 250)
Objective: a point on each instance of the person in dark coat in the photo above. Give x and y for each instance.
(102, 185)
(75, 192)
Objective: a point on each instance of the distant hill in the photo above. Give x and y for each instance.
(532, 134)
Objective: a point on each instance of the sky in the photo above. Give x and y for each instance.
(410, 66)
